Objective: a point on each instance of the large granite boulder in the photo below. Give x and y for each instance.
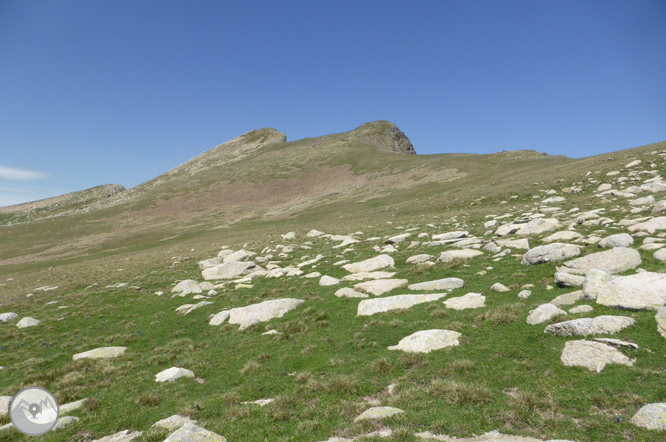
(425, 341)
(590, 326)
(642, 291)
(650, 226)
(592, 355)
(618, 240)
(651, 416)
(551, 252)
(615, 260)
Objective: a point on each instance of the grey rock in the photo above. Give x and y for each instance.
(593, 283)
(64, 421)
(660, 317)
(377, 413)
(173, 373)
(398, 238)
(101, 353)
(380, 286)
(581, 309)
(568, 280)
(438, 284)
(615, 260)
(4, 405)
(651, 416)
(314, 233)
(658, 208)
(522, 243)
(534, 227)
(524, 294)
(492, 436)
(548, 253)
(228, 270)
(371, 264)
(193, 433)
(256, 313)
(617, 342)
(327, 281)
(592, 355)
(642, 201)
(425, 341)
(458, 254)
(568, 298)
(362, 276)
(122, 436)
(618, 240)
(450, 235)
(565, 235)
(206, 263)
(590, 326)
(470, 300)
(544, 313)
(28, 322)
(650, 226)
(369, 307)
(418, 259)
(642, 291)
(311, 261)
(4, 317)
(660, 255)
(492, 248)
(188, 308)
(174, 422)
(346, 292)
(239, 256)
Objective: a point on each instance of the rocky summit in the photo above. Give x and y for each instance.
(344, 288)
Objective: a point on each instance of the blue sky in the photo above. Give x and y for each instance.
(96, 92)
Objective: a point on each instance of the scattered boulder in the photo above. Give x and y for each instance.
(618, 240)
(593, 282)
(64, 421)
(28, 322)
(173, 373)
(4, 317)
(533, 227)
(581, 309)
(418, 259)
(188, 308)
(568, 298)
(314, 233)
(346, 292)
(228, 270)
(398, 238)
(193, 433)
(642, 291)
(362, 276)
(492, 248)
(651, 416)
(470, 300)
(499, 287)
(551, 252)
(524, 294)
(206, 263)
(101, 353)
(565, 235)
(660, 255)
(522, 243)
(369, 307)
(4, 405)
(592, 355)
(615, 260)
(600, 325)
(458, 254)
(450, 235)
(289, 236)
(650, 226)
(438, 284)
(660, 317)
(376, 263)
(568, 280)
(174, 422)
(377, 413)
(255, 313)
(239, 256)
(327, 281)
(642, 201)
(658, 208)
(311, 261)
(380, 286)
(425, 341)
(544, 313)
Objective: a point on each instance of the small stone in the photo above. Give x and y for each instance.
(380, 286)
(544, 313)
(28, 322)
(499, 287)
(524, 294)
(4, 317)
(327, 281)
(173, 373)
(260, 402)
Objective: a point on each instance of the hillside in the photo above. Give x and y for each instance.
(295, 287)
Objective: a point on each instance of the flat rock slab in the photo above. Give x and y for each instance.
(548, 253)
(376, 263)
(174, 422)
(362, 276)
(616, 260)
(327, 281)
(346, 292)
(193, 433)
(582, 309)
(544, 313)
(173, 373)
(601, 325)
(4, 317)
(228, 270)
(566, 235)
(493, 436)
(380, 286)
(568, 280)
(187, 308)
(28, 322)
(651, 416)
(256, 313)
(101, 353)
(522, 243)
(377, 413)
(419, 259)
(4, 405)
(568, 298)
(642, 291)
(534, 227)
(470, 300)
(592, 355)
(450, 255)
(122, 436)
(660, 317)
(438, 284)
(450, 235)
(425, 341)
(369, 307)
(71, 406)
(650, 226)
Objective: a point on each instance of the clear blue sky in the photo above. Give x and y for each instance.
(95, 92)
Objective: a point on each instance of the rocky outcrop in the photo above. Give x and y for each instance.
(385, 135)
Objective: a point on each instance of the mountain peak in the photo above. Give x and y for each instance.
(386, 135)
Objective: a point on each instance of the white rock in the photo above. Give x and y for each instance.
(593, 282)
(206, 263)
(615, 260)
(567, 298)
(346, 292)
(492, 248)
(565, 235)
(376, 263)
(534, 227)
(498, 287)
(4, 317)
(650, 226)
(289, 235)
(590, 326)
(255, 313)
(174, 422)
(64, 421)
(651, 416)
(581, 309)
(450, 235)
(122, 436)
(327, 281)
(377, 413)
(568, 280)
(173, 373)
(418, 259)
(647, 200)
(660, 255)
(549, 253)
(592, 355)
(369, 307)
(193, 433)
(524, 294)
(28, 322)
(398, 238)
(470, 300)
(451, 255)
(380, 286)
(660, 317)
(544, 313)
(618, 240)
(438, 284)
(362, 276)
(238, 256)
(228, 270)
(314, 233)
(522, 243)
(4, 405)
(425, 341)
(101, 353)
(311, 261)
(642, 291)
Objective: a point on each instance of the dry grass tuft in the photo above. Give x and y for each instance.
(459, 393)
(502, 315)
(250, 367)
(151, 399)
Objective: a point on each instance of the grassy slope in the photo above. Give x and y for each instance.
(338, 357)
